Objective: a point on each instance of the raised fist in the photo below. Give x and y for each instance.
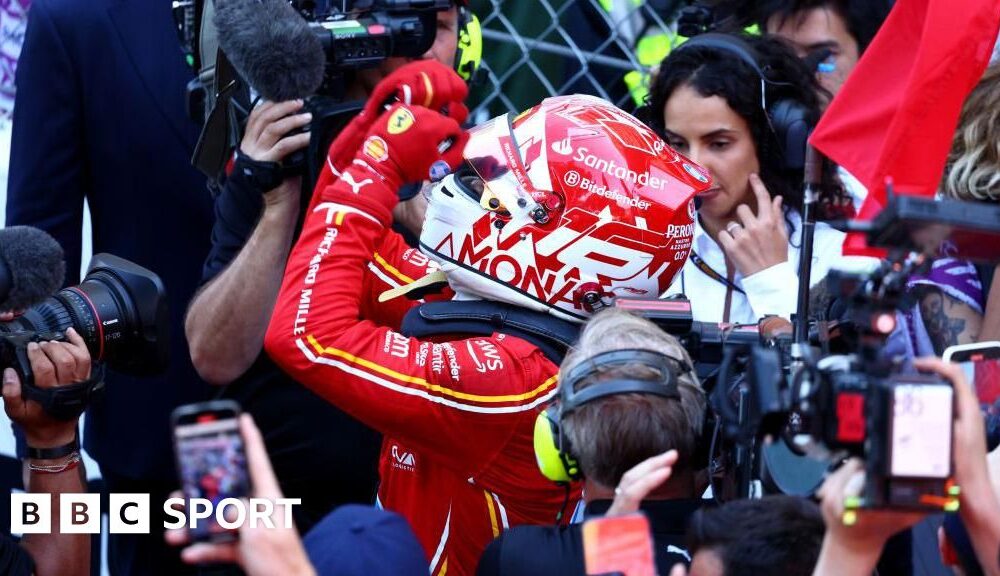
(412, 144)
(426, 83)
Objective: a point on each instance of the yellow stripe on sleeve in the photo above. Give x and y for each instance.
(423, 383)
(392, 269)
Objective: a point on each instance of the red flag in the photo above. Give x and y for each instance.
(896, 114)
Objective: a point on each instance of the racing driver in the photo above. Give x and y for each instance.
(544, 219)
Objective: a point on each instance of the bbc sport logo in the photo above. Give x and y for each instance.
(131, 513)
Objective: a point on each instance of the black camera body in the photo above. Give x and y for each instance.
(286, 49)
(856, 404)
(382, 29)
(120, 311)
(824, 406)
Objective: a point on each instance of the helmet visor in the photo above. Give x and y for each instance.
(493, 154)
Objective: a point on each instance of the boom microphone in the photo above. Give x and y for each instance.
(271, 46)
(31, 267)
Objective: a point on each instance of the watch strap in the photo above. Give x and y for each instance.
(54, 453)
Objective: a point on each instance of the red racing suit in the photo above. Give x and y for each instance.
(457, 416)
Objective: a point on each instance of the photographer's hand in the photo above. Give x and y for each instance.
(271, 136)
(271, 131)
(261, 550)
(980, 509)
(855, 548)
(53, 364)
(758, 241)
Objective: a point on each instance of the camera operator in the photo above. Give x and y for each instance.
(855, 548)
(257, 214)
(841, 29)
(54, 464)
(609, 436)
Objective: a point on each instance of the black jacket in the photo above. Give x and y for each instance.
(100, 114)
(552, 550)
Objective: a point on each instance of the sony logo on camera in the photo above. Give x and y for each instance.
(131, 513)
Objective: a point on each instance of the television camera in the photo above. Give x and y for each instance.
(793, 405)
(299, 49)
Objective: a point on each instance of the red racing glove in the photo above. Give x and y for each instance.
(405, 144)
(426, 83)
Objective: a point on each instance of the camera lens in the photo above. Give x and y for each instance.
(120, 311)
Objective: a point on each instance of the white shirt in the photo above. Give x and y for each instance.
(773, 290)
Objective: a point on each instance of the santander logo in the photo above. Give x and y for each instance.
(562, 147)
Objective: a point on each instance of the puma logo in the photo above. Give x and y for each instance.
(355, 185)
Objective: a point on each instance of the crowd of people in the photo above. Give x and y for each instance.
(427, 344)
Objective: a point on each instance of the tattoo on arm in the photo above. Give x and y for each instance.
(942, 329)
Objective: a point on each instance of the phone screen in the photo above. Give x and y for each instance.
(212, 463)
(984, 374)
(921, 431)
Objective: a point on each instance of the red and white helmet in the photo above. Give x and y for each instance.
(563, 208)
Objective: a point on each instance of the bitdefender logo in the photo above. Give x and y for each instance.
(574, 179)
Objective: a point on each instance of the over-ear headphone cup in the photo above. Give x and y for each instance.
(556, 463)
(469, 50)
(546, 443)
(789, 119)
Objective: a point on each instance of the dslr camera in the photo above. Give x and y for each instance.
(120, 311)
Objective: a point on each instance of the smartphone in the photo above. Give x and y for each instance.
(620, 545)
(981, 364)
(920, 430)
(211, 460)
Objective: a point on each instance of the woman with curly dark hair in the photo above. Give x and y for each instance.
(710, 103)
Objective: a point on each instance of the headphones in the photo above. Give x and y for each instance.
(787, 118)
(553, 451)
(469, 52)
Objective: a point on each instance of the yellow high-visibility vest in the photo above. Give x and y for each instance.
(650, 49)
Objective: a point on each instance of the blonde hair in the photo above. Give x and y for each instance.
(611, 435)
(973, 168)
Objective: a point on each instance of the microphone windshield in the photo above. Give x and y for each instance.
(31, 267)
(271, 46)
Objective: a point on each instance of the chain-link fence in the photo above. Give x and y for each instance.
(533, 49)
